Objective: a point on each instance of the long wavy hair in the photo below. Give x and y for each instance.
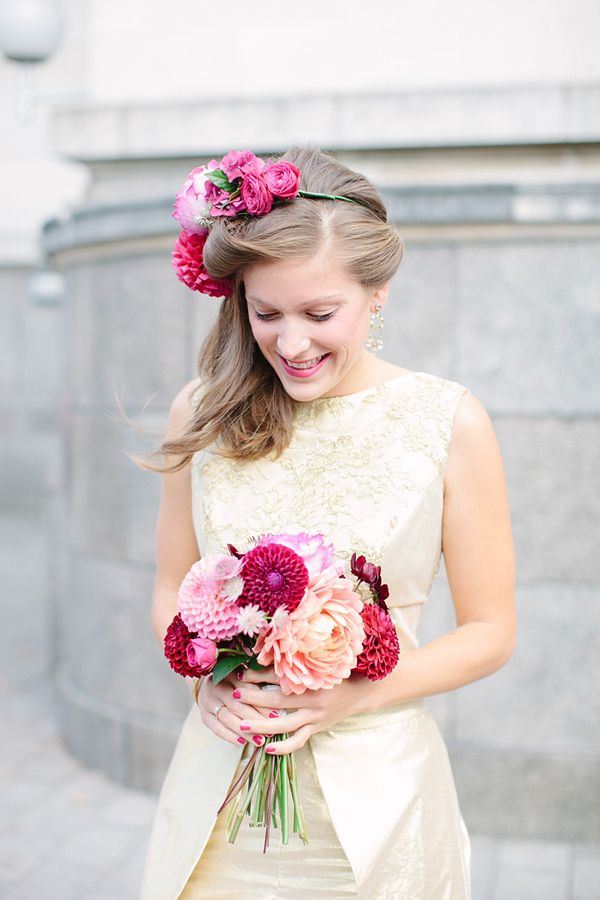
(243, 412)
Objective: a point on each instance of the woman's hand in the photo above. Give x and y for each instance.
(254, 713)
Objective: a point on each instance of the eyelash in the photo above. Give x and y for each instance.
(269, 316)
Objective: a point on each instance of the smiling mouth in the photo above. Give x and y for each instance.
(304, 364)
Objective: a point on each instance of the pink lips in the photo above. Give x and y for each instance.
(303, 373)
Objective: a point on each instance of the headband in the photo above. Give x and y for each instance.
(240, 185)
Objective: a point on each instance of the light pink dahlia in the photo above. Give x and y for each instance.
(207, 604)
(323, 636)
(273, 576)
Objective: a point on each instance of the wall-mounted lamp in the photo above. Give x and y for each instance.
(30, 32)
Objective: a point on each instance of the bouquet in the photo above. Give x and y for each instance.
(284, 603)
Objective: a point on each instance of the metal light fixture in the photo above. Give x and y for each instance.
(30, 30)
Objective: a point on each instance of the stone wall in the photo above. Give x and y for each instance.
(498, 290)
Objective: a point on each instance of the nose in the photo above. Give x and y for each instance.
(293, 340)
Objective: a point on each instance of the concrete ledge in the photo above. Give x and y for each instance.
(367, 121)
(556, 204)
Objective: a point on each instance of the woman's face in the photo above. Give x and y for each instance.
(310, 320)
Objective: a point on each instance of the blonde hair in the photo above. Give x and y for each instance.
(243, 411)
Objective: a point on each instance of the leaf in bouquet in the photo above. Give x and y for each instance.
(226, 664)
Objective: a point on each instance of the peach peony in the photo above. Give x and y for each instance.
(319, 645)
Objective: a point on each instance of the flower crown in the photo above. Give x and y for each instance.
(242, 184)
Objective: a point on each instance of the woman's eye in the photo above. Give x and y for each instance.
(321, 318)
(264, 317)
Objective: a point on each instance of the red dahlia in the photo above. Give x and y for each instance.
(381, 649)
(177, 638)
(273, 576)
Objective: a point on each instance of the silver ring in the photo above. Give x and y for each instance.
(217, 710)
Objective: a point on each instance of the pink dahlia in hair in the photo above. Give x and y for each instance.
(317, 555)
(381, 649)
(319, 644)
(189, 266)
(207, 601)
(177, 641)
(273, 576)
(283, 179)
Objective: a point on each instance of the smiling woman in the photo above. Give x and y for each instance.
(294, 429)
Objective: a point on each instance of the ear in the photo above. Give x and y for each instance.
(379, 296)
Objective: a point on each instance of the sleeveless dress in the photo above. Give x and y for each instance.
(367, 471)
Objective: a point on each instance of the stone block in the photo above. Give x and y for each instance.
(130, 324)
(109, 599)
(529, 325)
(546, 699)
(420, 315)
(554, 492)
(97, 502)
(543, 796)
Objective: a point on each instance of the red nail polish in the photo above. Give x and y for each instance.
(244, 727)
(236, 695)
(241, 740)
(273, 714)
(258, 739)
(270, 748)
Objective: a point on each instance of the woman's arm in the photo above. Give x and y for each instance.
(176, 546)
(479, 557)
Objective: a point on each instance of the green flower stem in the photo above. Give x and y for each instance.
(326, 196)
(246, 804)
(285, 812)
(295, 796)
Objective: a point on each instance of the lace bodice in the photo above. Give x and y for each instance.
(366, 470)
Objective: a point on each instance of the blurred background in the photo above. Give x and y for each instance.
(481, 125)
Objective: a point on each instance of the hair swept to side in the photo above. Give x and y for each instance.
(243, 412)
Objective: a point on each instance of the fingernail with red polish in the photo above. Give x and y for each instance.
(258, 740)
(244, 727)
(273, 714)
(236, 695)
(241, 740)
(240, 674)
(270, 748)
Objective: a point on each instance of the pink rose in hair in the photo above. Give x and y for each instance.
(201, 653)
(189, 266)
(256, 195)
(221, 203)
(283, 179)
(238, 163)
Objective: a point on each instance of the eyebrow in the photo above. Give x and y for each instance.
(327, 298)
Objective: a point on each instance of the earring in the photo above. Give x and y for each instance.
(374, 341)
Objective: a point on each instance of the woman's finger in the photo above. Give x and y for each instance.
(294, 742)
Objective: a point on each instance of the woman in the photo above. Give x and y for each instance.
(296, 427)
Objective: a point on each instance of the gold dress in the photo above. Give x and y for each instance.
(367, 471)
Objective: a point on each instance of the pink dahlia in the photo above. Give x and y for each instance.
(317, 555)
(283, 179)
(177, 641)
(273, 576)
(207, 603)
(189, 266)
(319, 645)
(381, 649)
